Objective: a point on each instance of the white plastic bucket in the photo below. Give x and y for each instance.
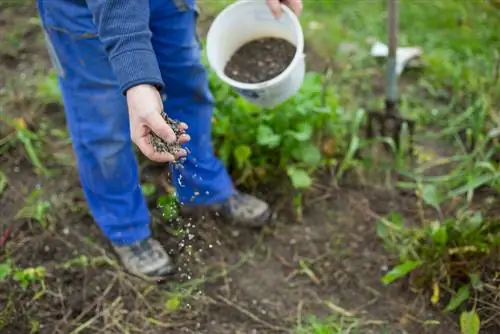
(244, 21)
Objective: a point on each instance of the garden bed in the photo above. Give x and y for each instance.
(319, 267)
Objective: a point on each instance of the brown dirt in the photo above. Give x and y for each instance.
(242, 281)
(260, 60)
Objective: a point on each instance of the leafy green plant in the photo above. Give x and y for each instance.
(5, 270)
(29, 139)
(303, 134)
(47, 89)
(331, 325)
(36, 208)
(28, 276)
(443, 254)
(169, 206)
(24, 276)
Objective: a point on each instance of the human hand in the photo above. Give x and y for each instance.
(145, 107)
(294, 5)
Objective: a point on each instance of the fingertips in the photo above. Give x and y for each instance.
(274, 6)
(158, 125)
(295, 5)
(180, 154)
(184, 138)
(183, 126)
(147, 149)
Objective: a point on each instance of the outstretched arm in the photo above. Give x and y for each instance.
(123, 28)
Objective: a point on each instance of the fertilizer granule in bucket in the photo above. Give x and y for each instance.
(260, 60)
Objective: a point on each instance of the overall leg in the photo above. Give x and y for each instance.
(202, 180)
(98, 123)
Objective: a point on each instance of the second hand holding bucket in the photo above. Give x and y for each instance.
(245, 21)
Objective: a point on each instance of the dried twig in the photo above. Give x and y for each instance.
(253, 316)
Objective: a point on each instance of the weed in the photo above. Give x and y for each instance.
(443, 254)
(331, 325)
(29, 139)
(47, 89)
(24, 276)
(35, 208)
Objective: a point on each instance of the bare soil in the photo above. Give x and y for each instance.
(230, 280)
(260, 60)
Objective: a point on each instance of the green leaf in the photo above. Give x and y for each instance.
(400, 271)
(461, 296)
(475, 221)
(173, 304)
(430, 195)
(308, 153)
(312, 156)
(382, 230)
(5, 270)
(473, 184)
(439, 235)
(148, 189)
(469, 322)
(299, 177)
(396, 219)
(242, 153)
(475, 280)
(3, 182)
(304, 132)
(168, 205)
(266, 137)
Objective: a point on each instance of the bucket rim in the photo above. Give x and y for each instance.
(298, 56)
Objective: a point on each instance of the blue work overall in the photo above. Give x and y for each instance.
(97, 114)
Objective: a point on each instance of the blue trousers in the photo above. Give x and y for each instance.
(97, 114)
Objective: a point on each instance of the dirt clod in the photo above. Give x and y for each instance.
(260, 60)
(161, 145)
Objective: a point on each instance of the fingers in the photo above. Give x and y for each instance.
(275, 7)
(295, 6)
(184, 138)
(147, 149)
(158, 125)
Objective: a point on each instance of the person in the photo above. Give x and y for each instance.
(120, 63)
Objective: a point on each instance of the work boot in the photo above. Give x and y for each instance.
(146, 259)
(242, 209)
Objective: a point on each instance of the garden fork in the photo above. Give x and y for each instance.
(389, 121)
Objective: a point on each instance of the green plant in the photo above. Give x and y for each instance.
(169, 206)
(29, 139)
(47, 89)
(443, 254)
(36, 208)
(303, 134)
(28, 276)
(24, 276)
(3, 182)
(330, 325)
